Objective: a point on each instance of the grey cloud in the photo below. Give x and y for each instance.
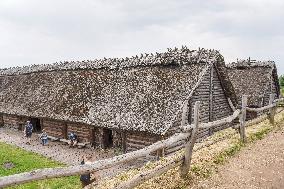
(35, 32)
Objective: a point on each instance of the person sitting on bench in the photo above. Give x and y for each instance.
(73, 139)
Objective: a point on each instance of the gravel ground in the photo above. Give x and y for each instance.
(61, 152)
(260, 165)
(55, 150)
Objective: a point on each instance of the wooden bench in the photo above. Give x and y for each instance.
(79, 144)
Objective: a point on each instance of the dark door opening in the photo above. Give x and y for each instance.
(36, 124)
(107, 138)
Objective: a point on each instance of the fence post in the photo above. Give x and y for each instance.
(243, 117)
(271, 110)
(184, 116)
(190, 144)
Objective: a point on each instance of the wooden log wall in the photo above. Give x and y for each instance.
(139, 140)
(97, 134)
(202, 94)
(22, 121)
(214, 106)
(55, 128)
(83, 131)
(1, 120)
(220, 105)
(118, 137)
(11, 121)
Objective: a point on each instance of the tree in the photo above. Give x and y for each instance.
(281, 81)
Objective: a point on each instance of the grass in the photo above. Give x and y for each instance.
(26, 161)
(237, 146)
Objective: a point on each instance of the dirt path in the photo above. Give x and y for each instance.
(260, 165)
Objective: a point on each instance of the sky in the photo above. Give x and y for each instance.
(46, 31)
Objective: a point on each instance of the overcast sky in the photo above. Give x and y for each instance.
(38, 32)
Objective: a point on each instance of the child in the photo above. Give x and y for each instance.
(28, 131)
(44, 138)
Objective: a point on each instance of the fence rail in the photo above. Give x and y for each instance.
(209, 125)
(183, 162)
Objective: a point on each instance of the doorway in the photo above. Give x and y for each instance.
(107, 138)
(36, 124)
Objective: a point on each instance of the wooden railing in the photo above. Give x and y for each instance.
(188, 134)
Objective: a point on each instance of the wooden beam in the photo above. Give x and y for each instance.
(184, 116)
(189, 146)
(142, 177)
(243, 119)
(211, 98)
(272, 110)
(228, 119)
(231, 105)
(262, 108)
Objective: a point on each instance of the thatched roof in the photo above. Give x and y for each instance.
(139, 93)
(253, 78)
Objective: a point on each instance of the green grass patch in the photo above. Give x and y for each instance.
(201, 171)
(259, 135)
(19, 160)
(231, 151)
(237, 146)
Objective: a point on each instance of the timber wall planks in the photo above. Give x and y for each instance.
(54, 128)
(83, 131)
(1, 120)
(139, 140)
(221, 107)
(14, 121)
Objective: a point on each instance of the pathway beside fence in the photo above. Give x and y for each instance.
(260, 165)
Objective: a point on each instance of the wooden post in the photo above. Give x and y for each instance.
(184, 116)
(190, 144)
(243, 117)
(124, 148)
(272, 110)
(161, 152)
(65, 131)
(1, 120)
(211, 99)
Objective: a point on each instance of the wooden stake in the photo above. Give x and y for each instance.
(272, 110)
(189, 146)
(184, 116)
(243, 117)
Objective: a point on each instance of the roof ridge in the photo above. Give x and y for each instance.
(176, 56)
(248, 63)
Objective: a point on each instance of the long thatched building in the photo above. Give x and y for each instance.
(256, 79)
(123, 102)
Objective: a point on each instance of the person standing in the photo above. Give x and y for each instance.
(28, 131)
(44, 138)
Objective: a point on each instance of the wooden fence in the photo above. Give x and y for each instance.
(188, 134)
